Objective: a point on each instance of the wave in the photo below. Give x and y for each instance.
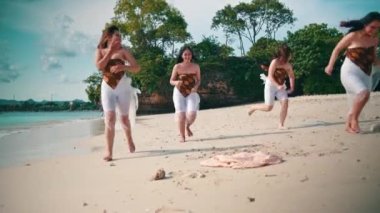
(4, 133)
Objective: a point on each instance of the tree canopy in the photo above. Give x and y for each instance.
(151, 24)
(248, 20)
(311, 49)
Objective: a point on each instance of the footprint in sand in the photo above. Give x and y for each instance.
(194, 175)
(171, 210)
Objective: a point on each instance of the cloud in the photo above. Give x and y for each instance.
(64, 42)
(63, 22)
(49, 62)
(8, 71)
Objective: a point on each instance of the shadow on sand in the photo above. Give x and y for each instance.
(326, 124)
(165, 152)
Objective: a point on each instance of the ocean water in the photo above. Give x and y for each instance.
(26, 136)
(15, 122)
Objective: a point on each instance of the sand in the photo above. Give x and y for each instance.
(325, 169)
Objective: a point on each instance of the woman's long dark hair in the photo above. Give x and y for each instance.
(109, 31)
(283, 52)
(356, 25)
(186, 47)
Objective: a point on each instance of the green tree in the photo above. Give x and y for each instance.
(209, 49)
(150, 24)
(311, 48)
(93, 88)
(252, 16)
(247, 20)
(277, 15)
(227, 20)
(244, 76)
(155, 72)
(263, 14)
(263, 50)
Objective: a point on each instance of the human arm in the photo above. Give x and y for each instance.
(173, 77)
(377, 60)
(132, 66)
(101, 59)
(198, 79)
(291, 78)
(342, 44)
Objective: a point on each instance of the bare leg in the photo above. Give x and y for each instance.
(190, 118)
(260, 107)
(283, 113)
(109, 121)
(348, 123)
(359, 102)
(128, 133)
(181, 125)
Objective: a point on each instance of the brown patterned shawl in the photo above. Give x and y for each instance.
(363, 57)
(280, 75)
(188, 83)
(112, 79)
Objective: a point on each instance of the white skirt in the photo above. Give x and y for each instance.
(123, 98)
(271, 92)
(354, 80)
(189, 103)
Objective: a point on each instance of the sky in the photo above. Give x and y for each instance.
(47, 46)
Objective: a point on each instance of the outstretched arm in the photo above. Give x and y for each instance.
(343, 44)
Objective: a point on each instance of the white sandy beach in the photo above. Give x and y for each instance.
(325, 169)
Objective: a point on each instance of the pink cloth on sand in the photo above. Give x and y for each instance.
(242, 160)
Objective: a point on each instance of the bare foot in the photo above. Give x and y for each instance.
(107, 158)
(348, 126)
(251, 111)
(182, 139)
(189, 132)
(131, 146)
(282, 127)
(355, 126)
(348, 122)
(350, 130)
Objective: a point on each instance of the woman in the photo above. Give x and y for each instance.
(114, 61)
(360, 44)
(186, 78)
(279, 70)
